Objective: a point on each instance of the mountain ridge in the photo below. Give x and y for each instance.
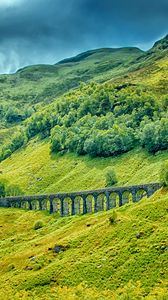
(162, 43)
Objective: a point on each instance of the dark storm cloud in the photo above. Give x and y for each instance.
(44, 31)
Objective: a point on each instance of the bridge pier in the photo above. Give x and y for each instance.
(120, 198)
(73, 206)
(95, 203)
(51, 205)
(30, 205)
(40, 205)
(107, 194)
(84, 205)
(62, 208)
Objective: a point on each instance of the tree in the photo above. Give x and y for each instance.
(154, 135)
(111, 177)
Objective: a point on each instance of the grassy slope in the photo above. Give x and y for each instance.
(41, 83)
(153, 77)
(102, 261)
(36, 171)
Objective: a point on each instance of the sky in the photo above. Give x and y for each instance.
(46, 31)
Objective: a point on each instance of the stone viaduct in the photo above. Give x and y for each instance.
(82, 202)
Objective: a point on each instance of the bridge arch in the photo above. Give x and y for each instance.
(140, 193)
(127, 197)
(90, 203)
(78, 205)
(101, 201)
(24, 204)
(113, 200)
(67, 206)
(56, 202)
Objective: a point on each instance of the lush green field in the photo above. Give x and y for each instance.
(124, 260)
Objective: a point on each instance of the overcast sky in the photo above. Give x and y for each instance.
(46, 31)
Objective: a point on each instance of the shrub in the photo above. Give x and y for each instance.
(113, 217)
(111, 177)
(164, 174)
(38, 224)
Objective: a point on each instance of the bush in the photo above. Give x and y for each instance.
(113, 217)
(38, 224)
(164, 174)
(111, 177)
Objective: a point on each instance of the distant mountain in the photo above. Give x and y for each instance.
(40, 84)
(99, 53)
(33, 87)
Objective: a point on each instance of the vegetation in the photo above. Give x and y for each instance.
(113, 217)
(102, 261)
(164, 174)
(38, 224)
(7, 189)
(111, 177)
(155, 135)
(106, 122)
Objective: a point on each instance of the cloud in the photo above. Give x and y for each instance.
(8, 3)
(45, 31)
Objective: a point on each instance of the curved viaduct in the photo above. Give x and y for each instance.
(82, 202)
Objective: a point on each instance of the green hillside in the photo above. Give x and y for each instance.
(62, 127)
(99, 260)
(34, 170)
(90, 126)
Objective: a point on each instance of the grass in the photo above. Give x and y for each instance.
(124, 260)
(35, 170)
